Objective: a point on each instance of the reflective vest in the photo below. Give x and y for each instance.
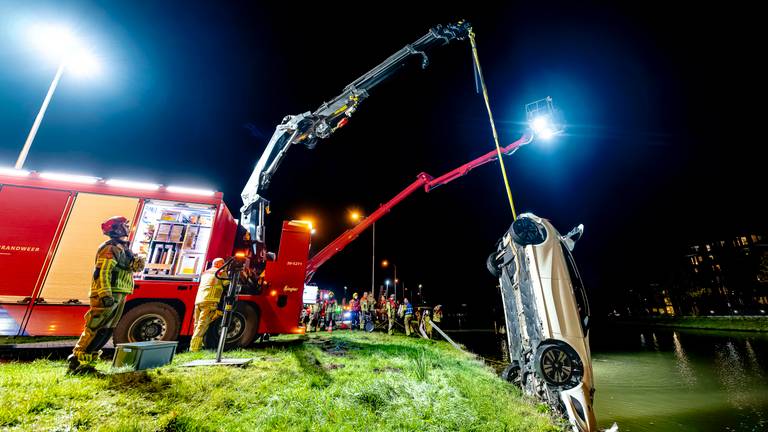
(409, 309)
(211, 288)
(113, 272)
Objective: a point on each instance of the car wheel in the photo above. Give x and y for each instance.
(526, 231)
(493, 265)
(242, 329)
(559, 364)
(147, 322)
(512, 373)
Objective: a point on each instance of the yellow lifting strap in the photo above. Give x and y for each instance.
(493, 124)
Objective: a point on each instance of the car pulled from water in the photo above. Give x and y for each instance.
(547, 317)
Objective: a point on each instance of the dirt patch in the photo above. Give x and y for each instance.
(332, 366)
(387, 369)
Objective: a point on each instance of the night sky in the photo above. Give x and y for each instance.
(663, 146)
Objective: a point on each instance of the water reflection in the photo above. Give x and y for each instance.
(683, 365)
(753, 364)
(681, 380)
(730, 371)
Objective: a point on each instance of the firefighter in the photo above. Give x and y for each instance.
(206, 303)
(408, 316)
(354, 307)
(437, 314)
(365, 308)
(314, 317)
(391, 307)
(112, 281)
(427, 323)
(330, 311)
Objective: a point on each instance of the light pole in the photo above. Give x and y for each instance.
(421, 297)
(59, 43)
(356, 216)
(385, 264)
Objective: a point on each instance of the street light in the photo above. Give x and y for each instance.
(60, 44)
(356, 216)
(385, 264)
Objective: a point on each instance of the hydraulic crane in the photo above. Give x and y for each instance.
(309, 127)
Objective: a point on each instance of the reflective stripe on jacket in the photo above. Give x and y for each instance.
(113, 270)
(211, 288)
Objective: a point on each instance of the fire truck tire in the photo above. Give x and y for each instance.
(242, 331)
(148, 321)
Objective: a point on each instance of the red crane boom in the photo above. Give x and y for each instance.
(422, 180)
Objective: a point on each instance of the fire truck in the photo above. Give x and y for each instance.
(49, 232)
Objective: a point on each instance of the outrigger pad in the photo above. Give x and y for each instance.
(223, 362)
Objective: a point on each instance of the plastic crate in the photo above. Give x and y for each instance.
(144, 355)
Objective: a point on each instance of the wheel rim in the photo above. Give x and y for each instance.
(148, 327)
(236, 328)
(557, 366)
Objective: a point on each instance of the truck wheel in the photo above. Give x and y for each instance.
(242, 330)
(147, 322)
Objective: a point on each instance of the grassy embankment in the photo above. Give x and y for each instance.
(340, 382)
(738, 323)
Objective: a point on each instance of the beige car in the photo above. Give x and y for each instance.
(547, 317)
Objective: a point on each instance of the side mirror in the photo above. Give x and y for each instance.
(572, 237)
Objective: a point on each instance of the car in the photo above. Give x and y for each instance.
(547, 317)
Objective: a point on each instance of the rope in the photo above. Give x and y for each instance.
(479, 72)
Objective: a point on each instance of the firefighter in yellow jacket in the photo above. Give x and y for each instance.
(207, 302)
(112, 281)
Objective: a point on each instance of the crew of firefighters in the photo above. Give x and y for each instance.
(112, 282)
(366, 313)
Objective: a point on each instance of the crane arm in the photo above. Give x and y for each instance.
(423, 180)
(308, 127)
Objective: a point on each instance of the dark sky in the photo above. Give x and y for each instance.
(664, 145)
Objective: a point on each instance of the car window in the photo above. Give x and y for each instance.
(578, 289)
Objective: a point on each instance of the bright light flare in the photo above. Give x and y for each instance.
(190, 191)
(71, 178)
(546, 134)
(60, 44)
(14, 172)
(132, 184)
(540, 123)
(355, 216)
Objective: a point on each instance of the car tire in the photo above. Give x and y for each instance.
(493, 265)
(511, 373)
(242, 331)
(526, 231)
(558, 364)
(148, 321)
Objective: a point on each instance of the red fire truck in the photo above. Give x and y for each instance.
(49, 230)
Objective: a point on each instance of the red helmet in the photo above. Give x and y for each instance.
(116, 226)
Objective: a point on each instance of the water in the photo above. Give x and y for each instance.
(665, 380)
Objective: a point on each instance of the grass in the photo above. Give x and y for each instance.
(13, 340)
(738, 323)
(340, 382)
